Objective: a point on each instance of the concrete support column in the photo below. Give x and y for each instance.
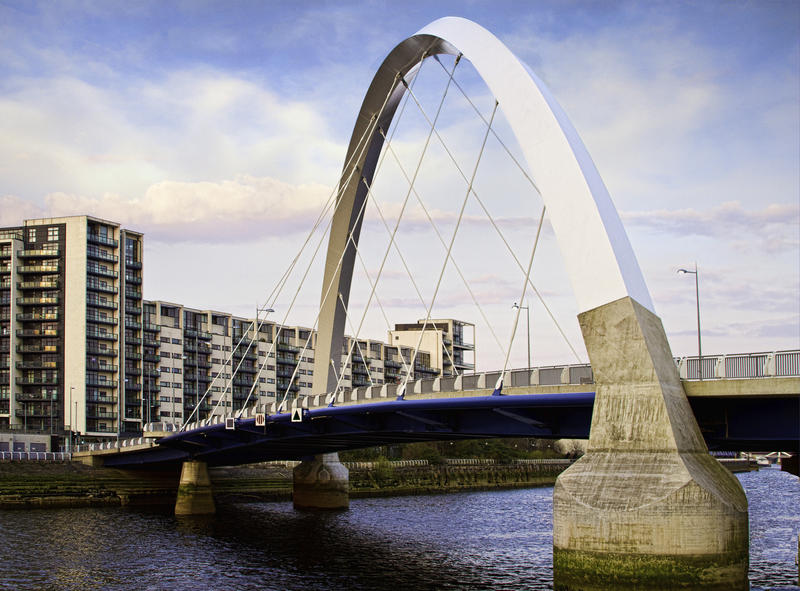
(647, 507)
(321, 483)
(194, 490)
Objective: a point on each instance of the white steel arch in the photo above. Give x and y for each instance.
(595, 248)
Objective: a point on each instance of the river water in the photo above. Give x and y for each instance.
(481, 540)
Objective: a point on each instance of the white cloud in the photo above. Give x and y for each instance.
(246, 208)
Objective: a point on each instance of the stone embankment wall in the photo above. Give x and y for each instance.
(30, 484)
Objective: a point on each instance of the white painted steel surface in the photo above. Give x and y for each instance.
(599, 259)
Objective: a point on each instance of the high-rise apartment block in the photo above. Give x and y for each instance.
(81, 351)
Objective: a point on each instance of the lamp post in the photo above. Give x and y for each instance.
(528, 317)
(69, 427)
(697, 300)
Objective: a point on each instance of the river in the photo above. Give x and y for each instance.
(480, 540)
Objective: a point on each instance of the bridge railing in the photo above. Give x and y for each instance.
(741, 365)
(35, 456)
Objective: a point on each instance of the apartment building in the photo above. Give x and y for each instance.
(70, 320)
(82, 354)
(451, 342)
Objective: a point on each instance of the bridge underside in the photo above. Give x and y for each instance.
(732, 423)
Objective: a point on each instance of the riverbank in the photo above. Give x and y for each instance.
(30, 485)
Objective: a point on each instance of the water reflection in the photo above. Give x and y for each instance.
(486, 540)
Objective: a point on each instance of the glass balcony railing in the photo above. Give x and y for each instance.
(39, 253)
(94, 285)
(101, 255)
(100, 239)
(51, 268)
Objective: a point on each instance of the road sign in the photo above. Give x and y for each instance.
(261, 419)
(297, 415)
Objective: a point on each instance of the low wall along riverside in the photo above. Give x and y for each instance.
(31, 484)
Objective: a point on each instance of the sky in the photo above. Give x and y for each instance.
(219, 129)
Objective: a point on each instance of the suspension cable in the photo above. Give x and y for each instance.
(499, 386)
(449, 250)
(402, 209)
(499, 232)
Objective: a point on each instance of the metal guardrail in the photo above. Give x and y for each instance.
(35, 456)
(775, 364)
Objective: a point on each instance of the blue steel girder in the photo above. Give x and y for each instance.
(363, 425)
(739, 423)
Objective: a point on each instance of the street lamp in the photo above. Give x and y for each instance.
(697, 299)
(69, 428)
(528, 315)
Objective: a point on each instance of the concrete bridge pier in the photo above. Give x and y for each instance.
(647, 507)
(194, 491)
(321, 482)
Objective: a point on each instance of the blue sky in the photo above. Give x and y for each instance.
(218, 128)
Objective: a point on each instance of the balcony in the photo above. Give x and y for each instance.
(134, 294)
(5, 267)
(131, 264)
(33, 397)
(103, 336)
(198, 334)
(36, 332)
(93, 350)
(5, 283)
(36, 317)
(98, 397)
(151, 327)
(133, 309)
(100, 413)
(133, 340)
(39, 253)
(94, 285)
(132, 279)
(132, 323)
(93, 238)
(151, 358)
(95, 366)
(37, 381)
(92, 428)
(101, 271)
(283, 386)
(37, 348)
(132, 355)
(100, 319)
(286, 359)
(42, 300)
(101, 255)
(392, 363)
(36, 364)
(100, 381)
(44, 284)
(51, 268)
(286, 347)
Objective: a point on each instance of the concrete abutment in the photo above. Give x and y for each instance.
(647, 507)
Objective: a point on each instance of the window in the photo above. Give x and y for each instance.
(52, 234)
(176, 341)
(176, 385)
(176, 355)
(31, 234)
(176, 370)
(164, 354)
(165, 339)
(215, 347)
(164, 370)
